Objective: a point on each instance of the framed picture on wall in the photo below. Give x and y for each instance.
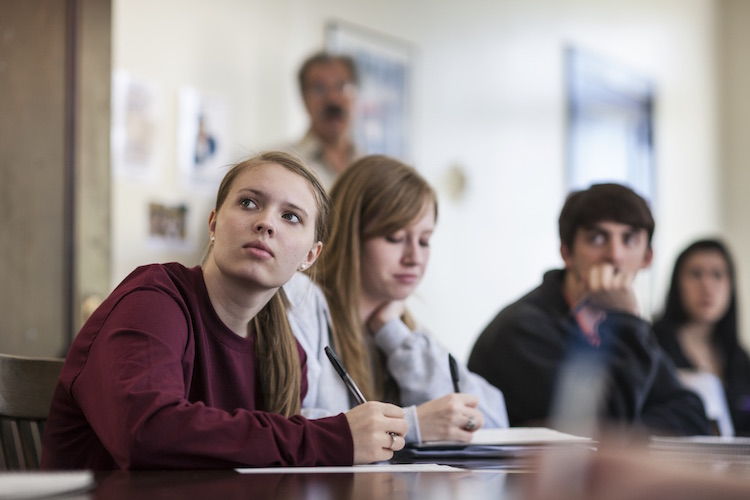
(610, 124)
(384, 65)
(167, 226)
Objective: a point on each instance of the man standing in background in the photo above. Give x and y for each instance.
(328, 87)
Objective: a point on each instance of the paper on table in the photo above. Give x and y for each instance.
(35, 484)
(514, 436)
(352, 469)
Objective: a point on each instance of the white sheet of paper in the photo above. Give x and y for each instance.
(35, 484)
(352, 469)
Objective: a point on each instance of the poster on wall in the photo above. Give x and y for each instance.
(202, 138)
(136, 104)
(167, 226)
(384, 66)
(610, 124)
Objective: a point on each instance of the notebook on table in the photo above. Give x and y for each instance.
(488, 446)
(704, 449)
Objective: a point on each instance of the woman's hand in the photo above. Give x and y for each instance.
(378, 429)
(385, 313)
(451, 418)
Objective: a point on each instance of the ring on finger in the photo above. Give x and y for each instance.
(393, 440)
(471, 424)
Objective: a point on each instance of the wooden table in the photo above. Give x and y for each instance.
(229, 485)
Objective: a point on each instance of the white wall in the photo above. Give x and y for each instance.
(488, 97)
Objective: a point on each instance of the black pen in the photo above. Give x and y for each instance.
(339, 367)
(454, 372)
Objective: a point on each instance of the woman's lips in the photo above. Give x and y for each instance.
(259, 249)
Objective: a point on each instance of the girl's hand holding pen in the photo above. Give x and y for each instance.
(378, 429)
(453, 417)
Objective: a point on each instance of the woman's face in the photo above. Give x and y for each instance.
(705, 286)
(392, 266)
(265, 229)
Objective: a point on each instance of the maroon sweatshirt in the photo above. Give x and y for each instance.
(154, 379)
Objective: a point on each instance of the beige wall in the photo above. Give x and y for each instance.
(34, 281)
(54, 189)
(93, 201)
(735, 108)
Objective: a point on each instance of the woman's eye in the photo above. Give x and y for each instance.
(424, 243)
(247, 203)
(291, 217)
(394, 239)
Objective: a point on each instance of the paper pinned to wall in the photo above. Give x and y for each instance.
(202, 138)
(136, 104)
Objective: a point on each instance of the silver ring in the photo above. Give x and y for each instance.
(393, 439)
(471, 424)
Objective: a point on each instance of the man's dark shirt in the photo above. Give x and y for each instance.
(523, 349)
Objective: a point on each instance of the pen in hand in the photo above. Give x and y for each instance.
(454, 372)
(339, 367)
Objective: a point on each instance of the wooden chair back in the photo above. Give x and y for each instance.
(26, 388)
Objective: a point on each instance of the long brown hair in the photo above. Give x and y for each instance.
(275, 345)
(376, 196)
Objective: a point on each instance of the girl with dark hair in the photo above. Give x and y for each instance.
(699, 327)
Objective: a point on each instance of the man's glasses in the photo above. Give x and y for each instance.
(321, 89)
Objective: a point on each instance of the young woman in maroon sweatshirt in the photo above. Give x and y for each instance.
(197, 367)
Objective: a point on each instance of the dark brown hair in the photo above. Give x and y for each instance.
(604, 202)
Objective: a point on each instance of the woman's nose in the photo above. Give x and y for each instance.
(411, 252)
(265, 225)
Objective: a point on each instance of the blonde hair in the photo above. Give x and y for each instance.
(275, 346)
(376, 196)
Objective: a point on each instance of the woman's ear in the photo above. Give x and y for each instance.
(312, 255)
(211, 224)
